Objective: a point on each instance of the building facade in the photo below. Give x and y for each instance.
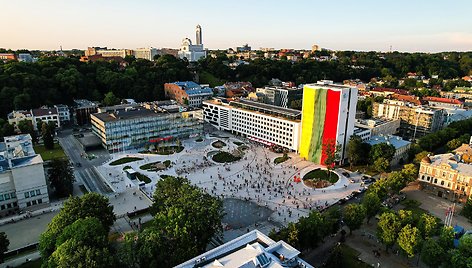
(82, 111)
(22, 179)
(328, 117)
(447, 175)
(133, 127)
(45, 115)
(16, 117)
(253, 249)
(145, 53)
(416, 121)
(263, 123)
(401, 147)
(7, 56)
(188, 93)
(64, 113)
(279, 95)
(379, 126)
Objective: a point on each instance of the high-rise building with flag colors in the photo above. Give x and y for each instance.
(328, 117)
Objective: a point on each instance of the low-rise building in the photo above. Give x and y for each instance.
(22, 179)
(448, 175)
(145, 53)
(45, 115)
(188, 93)
(16, 117)
(132, 127)
(280, 95)
(444, 102)
(64, 113)
(401, 147)
(263, 123)
(7, 56)
(363, 133)
(25, 57)
(253, 249)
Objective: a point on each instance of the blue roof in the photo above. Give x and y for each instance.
(205, 90)
(396, 141)
(188, 85)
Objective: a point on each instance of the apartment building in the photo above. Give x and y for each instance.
(188, 93)
(378, 126)
(263, 123)
(416, 121)
(279, 96)
(22, 179)
(145, 53)
(328, 116)
(253, 249)
(64, 113)
(401, 147)
(131, 127)
(448, 175)
(444, 102)
(43, 114)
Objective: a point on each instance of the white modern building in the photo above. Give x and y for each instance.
(190, 51)
(64, 113)
(45, 115)
(22, 179)
(42, 114)
(145, 53)
(251, 250)
(379, 126)
(264, 123)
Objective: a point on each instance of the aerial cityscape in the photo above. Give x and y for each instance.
(237, 135)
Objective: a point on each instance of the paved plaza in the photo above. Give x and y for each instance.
(253, 178)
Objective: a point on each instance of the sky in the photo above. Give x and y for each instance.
(403, 25)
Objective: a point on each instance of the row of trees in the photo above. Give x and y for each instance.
(185, 219)
(361, 153)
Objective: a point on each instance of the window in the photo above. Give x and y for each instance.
(32, 193)
(27, 195)
(6, 196)
(1, 197)
(12, 195)
(38, 192)
(2, 207)
(40, 201)
(9, 205)
(28, 204)
(34, 202)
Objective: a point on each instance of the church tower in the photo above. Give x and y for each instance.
(199, 34)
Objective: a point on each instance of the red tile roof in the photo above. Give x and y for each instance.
(407, 98)
(43, 112)
(393, 90)
(443, 100)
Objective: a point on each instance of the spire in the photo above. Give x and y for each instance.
(198, 33)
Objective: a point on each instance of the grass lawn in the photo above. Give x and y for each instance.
(143, 177)
(55, 153)
(321, 174)
(225, 157)
(125, 160)
(347, 258)
(281, 159)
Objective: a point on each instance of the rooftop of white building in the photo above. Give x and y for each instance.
(453, 161)
(17, 151)
(253, 249)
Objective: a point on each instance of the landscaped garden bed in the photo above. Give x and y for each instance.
(320, 178)
(156, 166)
(125, 160)
(225, 157)
(166, 150)
(143, 177)
(218, 144)
(281, 159)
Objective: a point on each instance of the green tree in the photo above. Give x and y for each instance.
(446, 238)
(110, 99)
(26, 127)
(419, 156)
(4, 243)
(453, 144)
(312, 230)
(467, 210)
(73, 253)
(387, 229)
(381, 150)
(409, 239)
(432, 253)
(355, 150)
(88, 205)
(61, 177)
(47, 132)
(382, 164)
(410, 172)
(427, 225)
(353, 215)
(331, 151)
(371, 203)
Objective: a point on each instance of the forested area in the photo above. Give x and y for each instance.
(53, 80)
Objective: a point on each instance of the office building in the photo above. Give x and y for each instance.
(253, 249)
(131, 127)
(188, 93)
(363, 133)
(190, 51)
(82, 111)
(267, 124)
(145, 53)
(401, 147)
(328, 117)
(379, 126)
(448, 175)
(280, 95)
(22, 179)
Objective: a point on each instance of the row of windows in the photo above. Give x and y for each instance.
(32, 193)
(34, 202)
(8, 206)
(7, 196)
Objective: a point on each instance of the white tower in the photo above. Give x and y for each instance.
(199, 34)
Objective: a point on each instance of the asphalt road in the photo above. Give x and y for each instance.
(86, 173)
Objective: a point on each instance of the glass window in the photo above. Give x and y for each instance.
(1, 197)
(28, 204)
(40, 201)
(12, 195)
(26, 194)
(38, 192)
(32, 193)
(6, 196)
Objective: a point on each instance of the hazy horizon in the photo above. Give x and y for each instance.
(406, 26)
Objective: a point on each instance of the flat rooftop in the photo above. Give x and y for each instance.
(125, 115)
(396, 141)
(263, 107)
